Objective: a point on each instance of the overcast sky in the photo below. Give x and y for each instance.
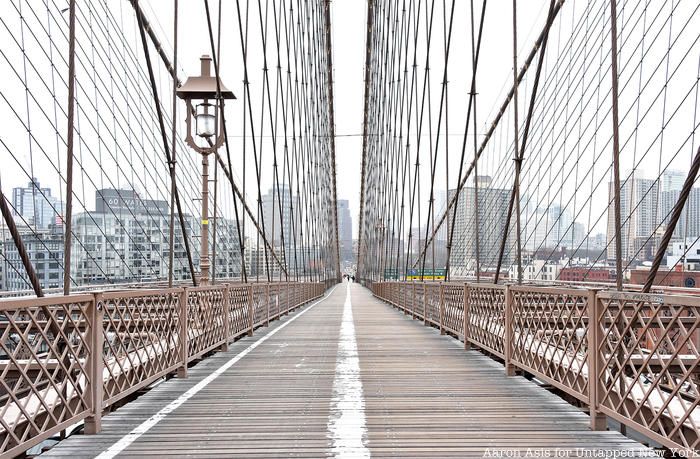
(43, 155)
(349, 18)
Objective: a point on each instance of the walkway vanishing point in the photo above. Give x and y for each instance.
(347, 376)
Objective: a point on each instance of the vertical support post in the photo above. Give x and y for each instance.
(442, 308)
(425, 303)
(616, 145)
(213, 223)
(289, 299)
(204, 237)
(517, 156)
(595, 362)
(93, 423)
(413, 301)
(508, 334)
(467, 318)
(251, 310)
(278, 307)
(227, 319)
(267, 302)
(171, 166)
(69, 150)
(184, 318)
(404, 291)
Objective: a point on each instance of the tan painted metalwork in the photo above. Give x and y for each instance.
(66, 358)
(643, 349)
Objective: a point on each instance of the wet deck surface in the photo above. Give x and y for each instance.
(295, 394)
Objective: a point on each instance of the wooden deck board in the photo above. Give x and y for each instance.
(424, 396)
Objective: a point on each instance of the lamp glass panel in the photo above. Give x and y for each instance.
(206, 121)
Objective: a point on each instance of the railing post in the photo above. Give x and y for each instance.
(598, 420)
(277, 302)
(441, 306)
(425, 303)
(251, 310)
(413, 301)
(508, 333)
(404, 290)
(286, 293)
(93, 423)
(267, 302)
(183, 340)
(226, 307)
(467, 318)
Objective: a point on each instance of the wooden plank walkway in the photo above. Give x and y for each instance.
(296, 395)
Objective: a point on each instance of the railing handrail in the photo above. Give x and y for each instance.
(563, 335)
(93, 352)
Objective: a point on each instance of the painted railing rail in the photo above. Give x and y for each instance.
(642, 349)
(64, 359)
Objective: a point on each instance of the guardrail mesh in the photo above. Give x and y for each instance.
(633, 357)
(64, 359)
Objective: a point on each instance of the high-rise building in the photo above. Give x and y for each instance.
(45, 251)
(492, 214)
(277, 214)
(36, 206)
(640, 216)
(672, 180)
(689, 222)
(345, 230)
(126, 239)
(553, 228)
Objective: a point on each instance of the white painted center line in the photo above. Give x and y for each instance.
(347, 428)
(146, 425)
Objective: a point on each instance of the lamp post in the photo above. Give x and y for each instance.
(204, 96)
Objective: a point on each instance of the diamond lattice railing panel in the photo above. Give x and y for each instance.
(649, 364)
(487, 305)
(45, 349)
(432, 303)
(274, 301)
(402, 292)
(284, 297)
(410, 296)
(141, 332)
(296, 295)
(550, 335)
(239, 310)
(205, 319)
(419, 300)
(260, 303)
(453, 309)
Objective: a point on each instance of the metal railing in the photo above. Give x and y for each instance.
(642, 349)
(64, 359)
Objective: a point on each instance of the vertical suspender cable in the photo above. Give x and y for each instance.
(472, 94)
(616, 145)
(166, 147)
(520, 155)
(518, 159)
(69, 156)
(171, 236)
(365, 140)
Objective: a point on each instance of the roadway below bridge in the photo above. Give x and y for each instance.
(347, 376)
